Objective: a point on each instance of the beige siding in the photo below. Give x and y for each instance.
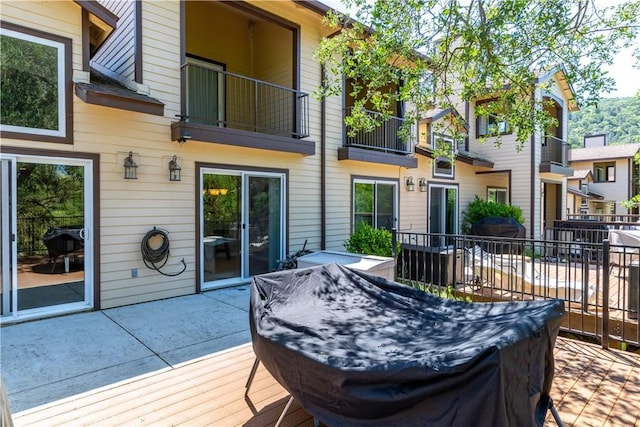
(612, 191)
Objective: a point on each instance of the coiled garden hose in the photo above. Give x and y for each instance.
(154, 254)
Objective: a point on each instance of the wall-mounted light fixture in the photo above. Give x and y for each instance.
(422, 183)
(130, 167)
(411, 186)
(174, 169)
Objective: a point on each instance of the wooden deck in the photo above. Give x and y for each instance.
(593, 387)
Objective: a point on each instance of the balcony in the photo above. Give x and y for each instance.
(229, 108)
(382, 145)
(554, 157)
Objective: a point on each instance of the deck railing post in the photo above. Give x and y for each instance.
(605, 293)
(586, 261)
(394, 252)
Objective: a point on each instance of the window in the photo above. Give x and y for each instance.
(442, 165)
(490, 123)
(497, 195)
(375, 202)
(605, 172)
(36, 85)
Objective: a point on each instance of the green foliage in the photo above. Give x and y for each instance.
(447, 292)
(480, 208)
(444, 52)
(370, 241)
(48, 191)
(615, 117)
(29, 90)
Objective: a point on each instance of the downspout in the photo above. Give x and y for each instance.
(323, 166)
(532, 213)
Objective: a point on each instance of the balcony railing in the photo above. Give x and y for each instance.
(386, 137)
(597, 280)
(610, 220)
(223, 99)
(555, 150)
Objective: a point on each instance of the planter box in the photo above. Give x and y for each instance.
(379, 266)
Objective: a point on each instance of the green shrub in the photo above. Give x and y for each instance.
(370, 241)
(480, 209)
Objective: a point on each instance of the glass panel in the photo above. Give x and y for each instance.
(363, 203)
(265, 224)
(50, 234)
(5, 239)
(611, 173)
(29, 90)
(385, 203)
(222, 222)
(443, 218)
(204, 93)
(450, 214)
(435, 214)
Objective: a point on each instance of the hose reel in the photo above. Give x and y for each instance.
(155, 251)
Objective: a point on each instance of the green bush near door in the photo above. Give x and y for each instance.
(370, 241)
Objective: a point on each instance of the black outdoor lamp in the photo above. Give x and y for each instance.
(130, 167)
(174, 169)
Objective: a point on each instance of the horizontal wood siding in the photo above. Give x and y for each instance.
(612, 191)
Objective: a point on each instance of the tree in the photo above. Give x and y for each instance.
(443, 51)
(615, 117)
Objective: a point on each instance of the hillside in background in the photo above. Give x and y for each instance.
(619, 118)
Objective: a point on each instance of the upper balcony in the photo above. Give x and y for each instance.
(386, 144)
(240, 79)
(554, 157)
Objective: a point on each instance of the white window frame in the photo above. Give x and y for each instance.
(497, 190)
(375, 183)
(62, 78)
(443, 173)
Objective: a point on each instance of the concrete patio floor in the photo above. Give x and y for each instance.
(46, 360)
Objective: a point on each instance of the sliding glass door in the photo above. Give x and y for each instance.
(242, 223)
(443, 212)
(46, 241)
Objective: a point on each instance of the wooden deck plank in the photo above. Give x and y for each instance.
(592, 386)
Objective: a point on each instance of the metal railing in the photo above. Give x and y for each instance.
(599, 282)
(620, 220)
(386, 137)
(32, 230)
(220, 98)
(555, 150)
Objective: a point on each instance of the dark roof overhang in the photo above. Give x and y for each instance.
(109, 93)
(462, 156)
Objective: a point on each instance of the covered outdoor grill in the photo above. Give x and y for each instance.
(355, 349)
(63, 241)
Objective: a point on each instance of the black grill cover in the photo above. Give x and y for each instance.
(355, 349)
(499, 227)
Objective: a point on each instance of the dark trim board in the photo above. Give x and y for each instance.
(372, 156)
(111, 96)
(241, 138)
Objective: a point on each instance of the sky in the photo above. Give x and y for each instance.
(626, 76)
